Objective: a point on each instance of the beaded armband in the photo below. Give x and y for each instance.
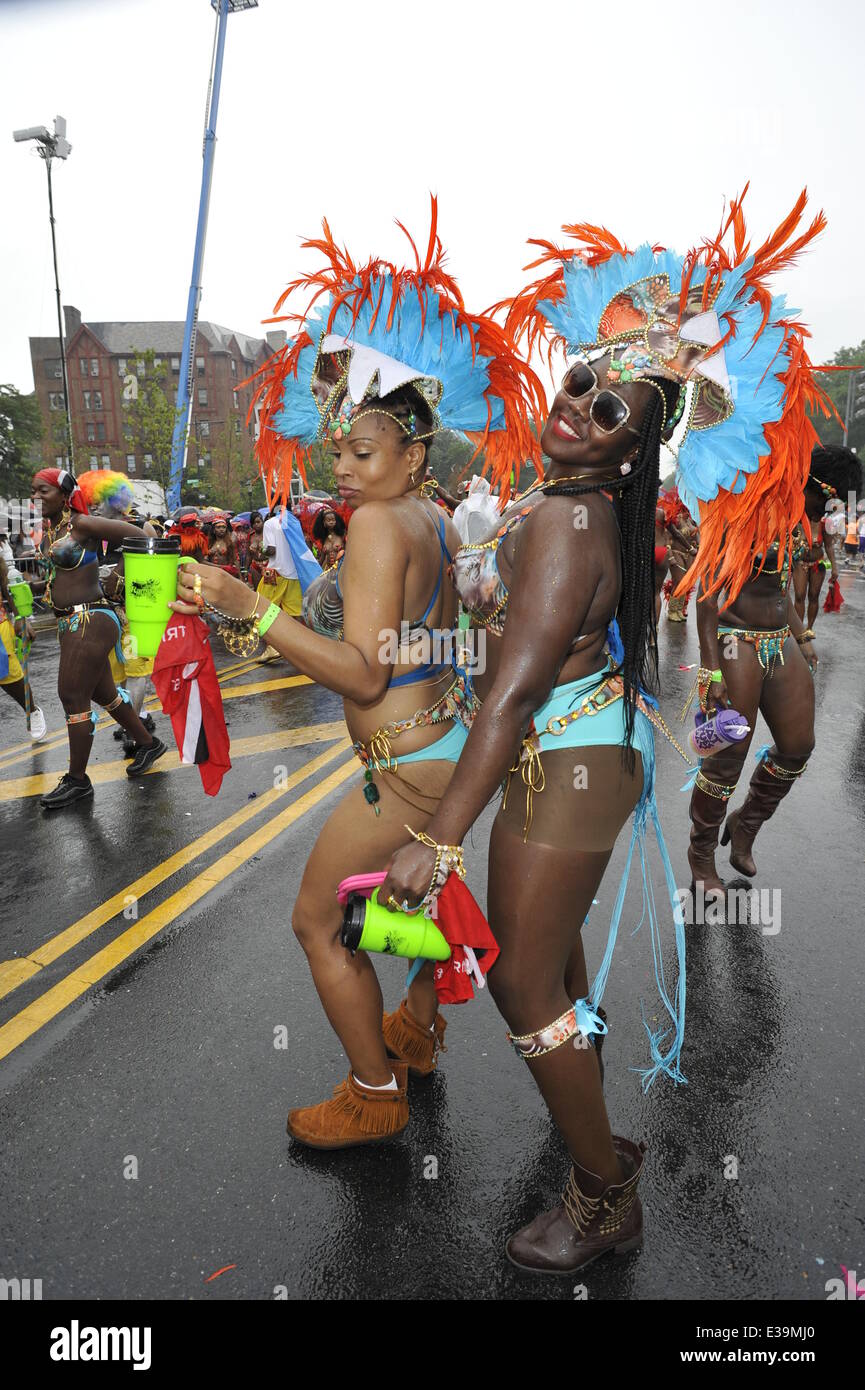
(580, 1018)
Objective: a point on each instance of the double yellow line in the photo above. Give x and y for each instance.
(48, 1005)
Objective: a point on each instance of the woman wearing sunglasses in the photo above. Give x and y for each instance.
(568, 689)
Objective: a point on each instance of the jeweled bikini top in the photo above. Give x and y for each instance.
(475, 572)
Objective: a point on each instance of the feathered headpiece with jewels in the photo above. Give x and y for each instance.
(381, 328)
(708, 322)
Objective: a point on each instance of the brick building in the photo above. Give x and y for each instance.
(99, 356)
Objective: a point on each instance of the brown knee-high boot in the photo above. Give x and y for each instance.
(769, 785)
(708, 809)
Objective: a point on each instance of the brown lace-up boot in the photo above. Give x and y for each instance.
(707, 813)
(410, 1042)
(765, 794)
(582, 1228)
(353, 1115)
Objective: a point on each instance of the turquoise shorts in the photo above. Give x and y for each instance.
(594, 728)
(447, 748)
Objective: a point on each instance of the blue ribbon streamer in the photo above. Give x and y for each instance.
(587, 1020)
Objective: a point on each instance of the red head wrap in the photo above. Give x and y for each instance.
(64, 480)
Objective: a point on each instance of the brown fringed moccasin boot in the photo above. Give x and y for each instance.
(578, 1230)
(354, 1115)
(410, 1042)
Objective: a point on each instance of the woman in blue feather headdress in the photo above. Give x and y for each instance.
(388, 358)
(564, 589)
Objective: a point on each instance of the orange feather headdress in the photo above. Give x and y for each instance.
(379, 328)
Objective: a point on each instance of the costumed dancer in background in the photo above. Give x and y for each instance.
(193, 537)
(328, 531)
(109, 494)
(391, 357)
(748, 492)
(564, 589)
(240, 532)
(13, 681)
(256, 558)
(87, 629)
(771, 673)
(223, 547)
(682, 542)
(810, 562)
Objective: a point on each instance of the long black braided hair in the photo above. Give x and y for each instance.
(638, 495)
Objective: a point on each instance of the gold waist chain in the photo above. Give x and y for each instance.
(528, 762)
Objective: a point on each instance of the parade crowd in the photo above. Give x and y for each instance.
(565, 582)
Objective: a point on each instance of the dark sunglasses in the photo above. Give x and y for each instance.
(608, 410)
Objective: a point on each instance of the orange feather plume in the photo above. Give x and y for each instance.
(353, 287)
(738, 529)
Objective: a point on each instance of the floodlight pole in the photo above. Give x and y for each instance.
(187, 361)
(47, 154)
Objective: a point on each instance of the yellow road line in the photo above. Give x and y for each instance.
(15, 972)
(19, 751)
(262, 687)
(40, 782)
(48, 1005)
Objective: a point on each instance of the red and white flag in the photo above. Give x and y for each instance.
(184, 675)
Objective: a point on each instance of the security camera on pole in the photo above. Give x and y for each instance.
(50, 147)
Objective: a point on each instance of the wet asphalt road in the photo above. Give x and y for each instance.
(166, 1055)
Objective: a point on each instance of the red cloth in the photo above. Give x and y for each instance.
(184, 675)
(462, 924)
(833, 598)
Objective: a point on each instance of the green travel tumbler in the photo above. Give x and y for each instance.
(150, 568)
(367, 926)
(22, 597)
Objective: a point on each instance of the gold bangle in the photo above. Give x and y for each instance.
(449, 855)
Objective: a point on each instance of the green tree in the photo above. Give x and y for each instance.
(225, 477)
(836, 386)
(451, 463)
(149, 416)
(21, 432)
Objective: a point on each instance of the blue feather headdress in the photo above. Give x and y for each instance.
(706, 321)
(381, 328)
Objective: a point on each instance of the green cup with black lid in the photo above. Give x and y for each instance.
(150, 568)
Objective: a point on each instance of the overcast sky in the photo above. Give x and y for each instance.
(639, 115)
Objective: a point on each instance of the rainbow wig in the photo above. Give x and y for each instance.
(106, 492)
(381, 328)
(742, 432)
